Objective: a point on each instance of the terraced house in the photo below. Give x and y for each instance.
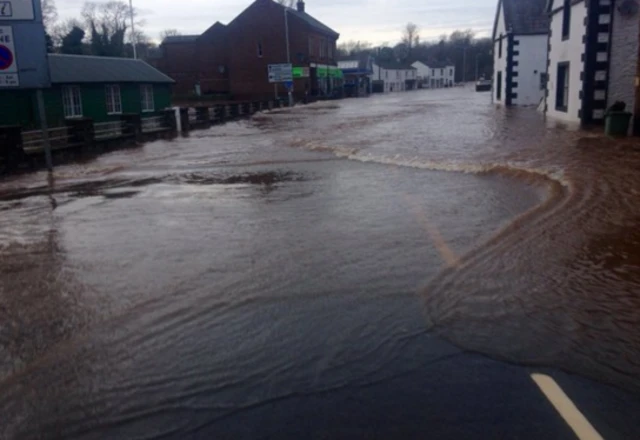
(520, 34)
(232, 60)
(593, 59)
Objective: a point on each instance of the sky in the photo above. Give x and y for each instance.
(375, 21)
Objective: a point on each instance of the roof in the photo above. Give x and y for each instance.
(313, 22)
(359, 62)
(435, 64)
(180, 39)
(394, 65)
(524, 16)
(76, 69)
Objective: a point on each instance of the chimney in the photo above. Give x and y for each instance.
(300, 6)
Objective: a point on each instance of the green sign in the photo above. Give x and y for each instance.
(300, 72)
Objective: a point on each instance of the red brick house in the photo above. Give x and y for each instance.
(233, 59)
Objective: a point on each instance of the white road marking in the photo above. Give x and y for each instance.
(567, 409)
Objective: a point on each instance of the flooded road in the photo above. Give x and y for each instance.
(323, 269)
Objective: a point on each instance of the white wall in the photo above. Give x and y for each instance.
(499, 63)
(394, 79)
(532, 61)
(423, 71)
(570, 50)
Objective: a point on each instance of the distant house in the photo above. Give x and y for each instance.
(233, 59)
(520, 33)
(593, 59)
(357, 73)
(393, 76)
(100, 88)
(434, 74)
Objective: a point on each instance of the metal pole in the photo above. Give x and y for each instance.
(464, 65)
(286, 31)
(133, 31)
(45, 131)
(477, 55)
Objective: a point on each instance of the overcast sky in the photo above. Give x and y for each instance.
(376, 21)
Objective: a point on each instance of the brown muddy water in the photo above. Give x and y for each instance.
(163, 290)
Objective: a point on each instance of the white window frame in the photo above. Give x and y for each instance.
(147, 103)
(113, 99)
(72, 102)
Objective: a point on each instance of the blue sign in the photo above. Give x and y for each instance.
(6, 57)
(288, 84)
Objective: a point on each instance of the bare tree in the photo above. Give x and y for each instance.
(49, 14)
(61, 30)
(287, 3)
(169, 33)
(107, 24)
(410, 38)
(352, 47)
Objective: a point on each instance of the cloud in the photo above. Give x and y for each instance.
(376, 21)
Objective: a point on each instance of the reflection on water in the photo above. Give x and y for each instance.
(167, 288)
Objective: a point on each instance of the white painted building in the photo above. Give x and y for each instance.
(433, 75)
(520, 34)
(396, 77)
(593, 59)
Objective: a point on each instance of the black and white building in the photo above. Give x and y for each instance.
(520, 37)
(592, 59)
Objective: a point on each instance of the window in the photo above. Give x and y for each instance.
(450, 72)
(259, 49)
(499, 87)
(562, 87)
(72, 102)
(330, 49)
(311, 54)
(397, 74)
(441, 72)
(146, 98)
(566, 19)
(114, 102)
(406, 74)
(433, 72)
(500, 47)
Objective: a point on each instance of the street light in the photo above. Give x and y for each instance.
(286, 32)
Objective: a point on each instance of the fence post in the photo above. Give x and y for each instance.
(134, 123)
(81, 131)
(219, 111)
(202, 115)
(170, 120)
(11, 145)
(184, 119)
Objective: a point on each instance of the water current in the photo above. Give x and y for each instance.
(176, 287)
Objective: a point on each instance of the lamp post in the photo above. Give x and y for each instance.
(133, 32)
(286, 31)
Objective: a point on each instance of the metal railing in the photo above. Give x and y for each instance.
(109, 130)
(33, 141)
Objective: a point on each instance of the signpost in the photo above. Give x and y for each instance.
(280, 73)
(23, 55)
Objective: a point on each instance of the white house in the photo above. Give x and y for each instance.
(395, 76)
(433, 74)
(593, 59)
(520, 36)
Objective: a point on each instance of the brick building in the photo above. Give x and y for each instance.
(232, 59)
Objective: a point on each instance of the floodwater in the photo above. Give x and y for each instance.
(215, 285)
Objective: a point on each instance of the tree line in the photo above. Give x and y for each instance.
(102, 29)
(471, 55)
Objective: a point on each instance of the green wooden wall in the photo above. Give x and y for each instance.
(18, 107)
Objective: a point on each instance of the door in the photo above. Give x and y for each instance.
(499, 87)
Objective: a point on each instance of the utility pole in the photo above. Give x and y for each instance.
(464, 65)
(286, 31)
(477, 55)
(133, 31)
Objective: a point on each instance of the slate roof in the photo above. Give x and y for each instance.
(394, 65)
(180, 39)
(435, 64)
(75, 69)
(313, 22)
(524, 16)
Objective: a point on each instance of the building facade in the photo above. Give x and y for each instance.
(520, 38)
(393, 76)
(357, 73)
(434, 75)
(233, 59)
(99, 88)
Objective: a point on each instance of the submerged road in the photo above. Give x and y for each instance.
(416, 265)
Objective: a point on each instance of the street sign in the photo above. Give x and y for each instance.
(16, 10)
(280, 73)
(8, 65)
(288, 85)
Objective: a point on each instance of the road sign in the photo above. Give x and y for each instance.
(16, 10)
(288, 85)
(280, 73)
(8, 66)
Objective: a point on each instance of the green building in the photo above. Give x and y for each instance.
(100, 88)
